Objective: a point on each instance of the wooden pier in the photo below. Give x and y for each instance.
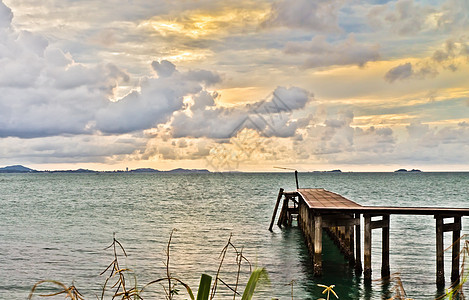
(319, 209)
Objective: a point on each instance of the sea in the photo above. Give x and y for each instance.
(58, 226)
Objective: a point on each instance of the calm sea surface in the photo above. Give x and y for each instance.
(57, 226)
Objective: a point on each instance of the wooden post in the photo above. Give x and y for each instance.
(349, 244)
(317, 245)
(282, 219)
(440, 270)
(358, 247)
(385, 271)
(455, 250)
(279, 197)
(367, 249)
(296, 179)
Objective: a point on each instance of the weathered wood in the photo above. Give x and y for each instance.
(440, 269)
(319, 209)
(283, 213)
(296, 179)
(358, 251)
(279, 197)
(379, 224)
(331, 221)
(452, 227)
(385, 270)
(455, 251)
(317, 245)
(367, 248)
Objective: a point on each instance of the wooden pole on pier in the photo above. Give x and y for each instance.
(385, 270)
(358, 247)
(296, 179)
(279, 197)
(455, 250)
(367, 248)
(317, 245)
(440, 268)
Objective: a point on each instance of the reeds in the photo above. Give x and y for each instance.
(118, 286)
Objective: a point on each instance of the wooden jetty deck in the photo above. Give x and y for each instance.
(318, 209)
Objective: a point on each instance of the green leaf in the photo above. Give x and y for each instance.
(204, 287)
(256, 275)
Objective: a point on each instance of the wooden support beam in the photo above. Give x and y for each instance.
(452, 227)
(367, 248)
(455, 251)
(379, 224)
(279, 197)
(317, 245)
(335, 222)
(440, 269)
(358, 247)
(385, 270)
(283, 213)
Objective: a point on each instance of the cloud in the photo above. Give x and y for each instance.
(400, 72)
(64, 97)
(404, 17)
(320, 53)
(45, 92)
(270, 118)
(5, 16)
(70, 149)
(163, 68)
(447, 57)
(319, 16)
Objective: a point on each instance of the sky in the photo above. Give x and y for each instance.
(235, 85)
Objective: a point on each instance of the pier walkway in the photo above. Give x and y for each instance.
(318, 209)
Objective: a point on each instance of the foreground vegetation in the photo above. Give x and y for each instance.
(118, 282)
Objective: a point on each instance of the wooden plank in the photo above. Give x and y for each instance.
(340, 221)
(452, 227)
(326, 201)
(279, 197)
(380, 223)
(283, 213)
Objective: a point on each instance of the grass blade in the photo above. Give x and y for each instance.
(256, 275)
(204, 287)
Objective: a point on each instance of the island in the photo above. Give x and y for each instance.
(405, 171)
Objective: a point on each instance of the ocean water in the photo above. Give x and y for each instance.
(57, 226)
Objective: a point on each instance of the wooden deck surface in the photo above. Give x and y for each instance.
(323, 200)
(320, 198)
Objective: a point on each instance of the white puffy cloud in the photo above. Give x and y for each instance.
(270, 118)
(46, 93)
(5, 16)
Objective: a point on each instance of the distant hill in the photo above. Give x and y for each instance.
(23, 169)
(145, 170)
(16, 169)
(179, 170)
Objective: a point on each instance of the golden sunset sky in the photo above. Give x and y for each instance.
(235, 85)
